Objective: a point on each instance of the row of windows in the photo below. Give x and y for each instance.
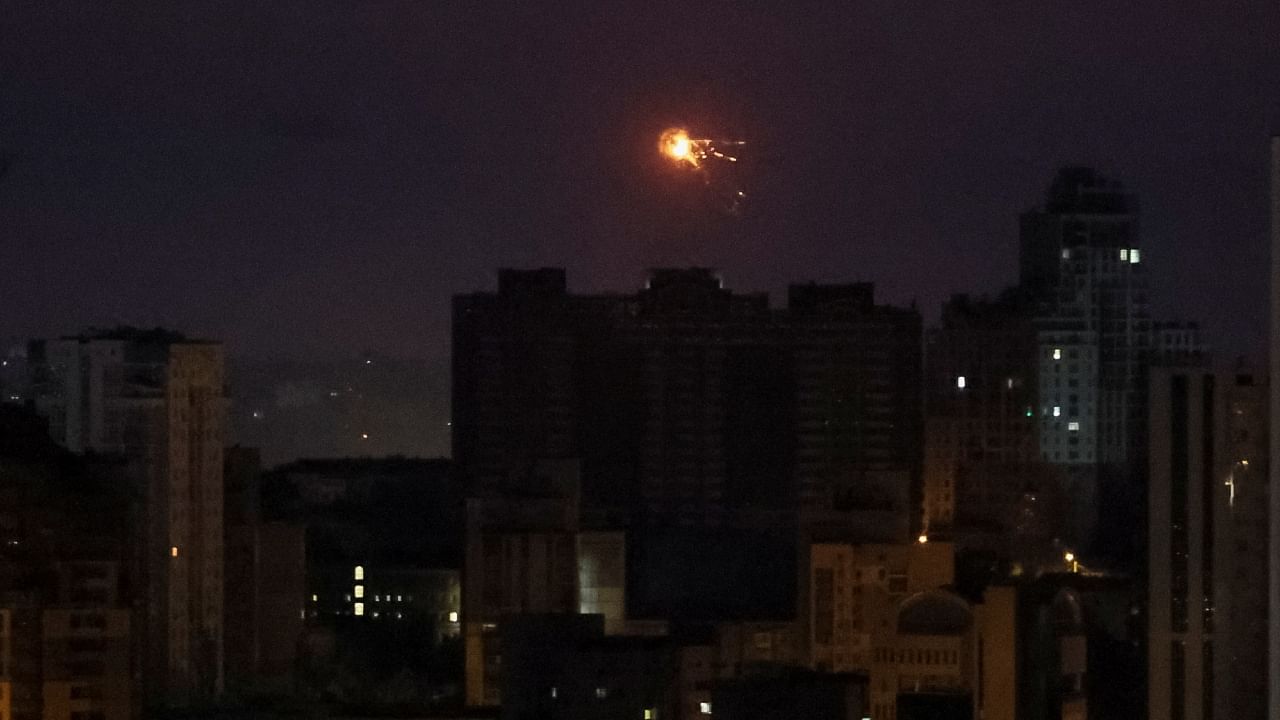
(916, 657)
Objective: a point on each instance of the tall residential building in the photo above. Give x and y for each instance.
(1207, 537)
(160, 400)
(1081, 257)
(980, 396)
(688, 404)
(1242, 612)
(1273, 609)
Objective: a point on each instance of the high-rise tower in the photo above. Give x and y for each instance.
(159, 400)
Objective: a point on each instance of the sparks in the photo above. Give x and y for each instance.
(676, 144)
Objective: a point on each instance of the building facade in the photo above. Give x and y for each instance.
(1082, 260)
(981, 371)
(160, 400)
(688, 404)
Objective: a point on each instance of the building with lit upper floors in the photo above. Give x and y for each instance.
(1081, 258)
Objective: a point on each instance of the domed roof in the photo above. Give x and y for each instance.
(935, 612)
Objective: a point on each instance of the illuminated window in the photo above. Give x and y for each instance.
(399, 598)
(555, 692)
(1134, 256)
(1124, 254)
(1066, 253)
(173, 551)
(602, 693)
(650, 714)
(1057, 353)
(359, 590)
(377, 598)
(704, 708)
(1073, 426)
(359, 608)
(348, 597)
(315, 598)
(1008, 383)
(960, 382)
(359, 573)
(453, 616)
(1057, 411)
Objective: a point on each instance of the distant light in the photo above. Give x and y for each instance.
(1029, 412)
(257, 414)
(364, 436)
(1066, 253)
(173, 551)
(960, 382)
(1057, 353)
(368, 362)
(1057, 410)
(399, 616)
(315, 598)
(1069, 557)
(922, 539)
(602, 693)
(554, 692)
(1008, 383)
(453, 616)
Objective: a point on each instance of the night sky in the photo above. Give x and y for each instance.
(303, 179)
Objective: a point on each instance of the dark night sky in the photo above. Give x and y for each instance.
(308, 179)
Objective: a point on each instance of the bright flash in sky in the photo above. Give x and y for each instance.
(676, 144)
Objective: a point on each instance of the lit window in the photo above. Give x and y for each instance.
(399, 616)
(602, 693)
(1057, 411)
(1124, 254)
(399, 598)
(1073, 426)
(453, 616)
(377, 598)
(1134, 256)
(359, 608)
(359, 573)
(960, 382)
(348, 596)
(359, 589)
(555, 692)
(315, 598)
(1066, 253)
(650, 714)
(704, 708)
(1057, 353)
(173, 551)
(1008, 383)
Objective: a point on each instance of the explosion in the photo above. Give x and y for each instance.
(676, 144)
(697, 154)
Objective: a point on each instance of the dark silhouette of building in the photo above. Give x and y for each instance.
(65, 624)
(688, 404)
(981, 392)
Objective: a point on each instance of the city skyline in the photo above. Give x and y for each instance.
(345, 224)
